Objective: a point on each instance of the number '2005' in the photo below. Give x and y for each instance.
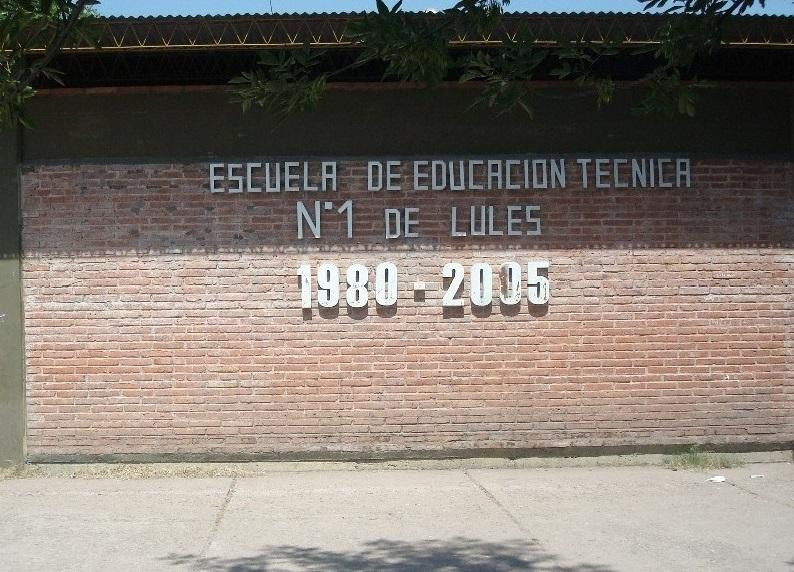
(510, 291)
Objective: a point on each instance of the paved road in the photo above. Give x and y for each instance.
(577, 519)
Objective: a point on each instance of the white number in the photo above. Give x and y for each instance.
(305, 274)
(386, 284)
(357, 278)
(348, 206)
(537, 285)
(510, 274)
(481, 284)
(454, 271)
(328, 285)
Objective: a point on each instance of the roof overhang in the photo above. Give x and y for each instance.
(252, 31)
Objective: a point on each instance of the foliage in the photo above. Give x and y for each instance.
(696, 459)
(415, 47)
(408, 47)
(506, 74)
(32, 33)
(285, 82)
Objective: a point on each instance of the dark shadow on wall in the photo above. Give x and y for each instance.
(457, 554)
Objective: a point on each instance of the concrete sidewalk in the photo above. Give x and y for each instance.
(584, 519)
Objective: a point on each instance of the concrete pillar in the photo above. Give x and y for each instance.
(12, 381)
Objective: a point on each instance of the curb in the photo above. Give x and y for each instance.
(253, 469)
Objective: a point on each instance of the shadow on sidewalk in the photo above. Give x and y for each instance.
(457, 554)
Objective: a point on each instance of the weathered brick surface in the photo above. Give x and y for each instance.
(163, 319)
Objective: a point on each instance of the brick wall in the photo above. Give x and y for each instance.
(160, 318)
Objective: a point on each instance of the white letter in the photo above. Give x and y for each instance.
(511, 220)
(411, 222)
(303, 214)
(274, 188)
(558, 173)
(638, 173)
(307, 186)
(601, 172)
(509, 164)
(682, 167)
(250, 176)
(438, 182)
(532, 220)
(491, 230)
(457, 186)
(616, 173)
(392, 178)
(329, 174)
(372, 185)
(540, 184)
(387, 215)
(472, 185)
(289, 176)
(213, 178)
(494, 172)
(454, 224)
(473, 221)
(583, 163)
(662, 163)
(418, 175)
(232, 177)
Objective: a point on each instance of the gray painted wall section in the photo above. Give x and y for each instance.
(12, 385)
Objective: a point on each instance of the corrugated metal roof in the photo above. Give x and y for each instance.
(262, 31)
(361, 13)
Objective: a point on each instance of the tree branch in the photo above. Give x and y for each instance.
(54, 46)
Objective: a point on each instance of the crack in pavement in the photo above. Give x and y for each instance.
(218, 519)
(501, 507)
(760, 496)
